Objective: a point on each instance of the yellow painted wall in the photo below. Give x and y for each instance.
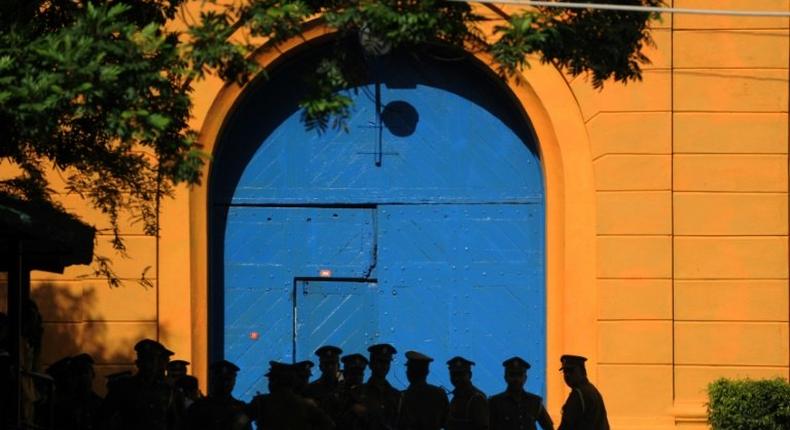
(667, 226)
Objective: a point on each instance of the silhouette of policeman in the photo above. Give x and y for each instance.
(86, 403)
(113, 378)
(584, 409)
(282, 408)
(469, 407)
(424, 406)
(323, 389)
(76, 405)
(62, 398)
(144, 400)
(349, 412)
(303, 373)
(188, 386)
(175, 370)
(377, 402)
(516, 409)
(219, 410)
(353, 370)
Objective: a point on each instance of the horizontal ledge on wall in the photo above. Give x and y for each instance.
(99, 234)
(604, 155)
(721, 29)
(116, 322)
(728, 111)
(731, 321)
(729, 153)
(748, 322)
(727, 365)
(728, 279)
(739, 366)
(633, 235)
(636, 191)
(777, 193)
(41, 278)
(774, 235)
(619, 363)
(601, 112)
(129, 364)
(703, 69)
(689, 412)
(681, 69)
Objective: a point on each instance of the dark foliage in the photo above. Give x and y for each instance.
(101, 91)
(749, 405)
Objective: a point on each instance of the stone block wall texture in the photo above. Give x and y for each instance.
(691, 188)
(691, 171)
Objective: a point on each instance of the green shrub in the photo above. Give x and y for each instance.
(749, 405)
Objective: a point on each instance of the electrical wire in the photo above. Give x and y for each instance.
(629, 8)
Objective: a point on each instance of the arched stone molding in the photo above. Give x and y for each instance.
(554, 113)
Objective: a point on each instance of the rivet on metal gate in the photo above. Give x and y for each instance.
(394, 292)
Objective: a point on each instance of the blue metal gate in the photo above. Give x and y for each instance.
(421, 225)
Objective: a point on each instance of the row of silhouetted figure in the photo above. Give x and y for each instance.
(161, 396)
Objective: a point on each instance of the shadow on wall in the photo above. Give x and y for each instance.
(92, 317)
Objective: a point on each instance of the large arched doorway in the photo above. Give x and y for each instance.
(421, 224)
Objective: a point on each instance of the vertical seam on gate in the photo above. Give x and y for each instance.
(374, 252)
(294, 310)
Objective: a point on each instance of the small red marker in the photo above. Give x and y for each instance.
(254, 335)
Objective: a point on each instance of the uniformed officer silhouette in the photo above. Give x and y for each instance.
(584, 409)
(349, 412)
(113, 378)
(87, 404)
(219, 410)
(144, 400)
(424, 406)
(516, 409)
(175, 370)
(323, 389)
(62, 398)
(469, 407)
(76, 405)
(282, 408)
(353, 370)
(188, 386)
(303, 372)
(377, 402)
